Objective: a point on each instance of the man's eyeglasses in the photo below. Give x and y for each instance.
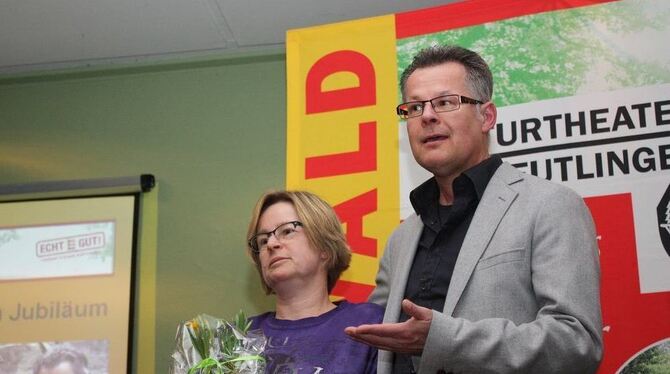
(283, 232)
(444, 103)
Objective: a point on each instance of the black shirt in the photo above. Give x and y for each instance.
(441, 239)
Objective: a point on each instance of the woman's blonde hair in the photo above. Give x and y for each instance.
(320, 224)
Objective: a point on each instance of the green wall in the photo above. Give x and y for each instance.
(213, 134)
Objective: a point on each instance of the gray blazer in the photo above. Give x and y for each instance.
(525, 293)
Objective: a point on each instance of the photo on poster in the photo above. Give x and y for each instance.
(652, 359)
(25, 358)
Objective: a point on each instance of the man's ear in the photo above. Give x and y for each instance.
(490, 115)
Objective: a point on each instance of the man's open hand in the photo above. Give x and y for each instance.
(405, 337)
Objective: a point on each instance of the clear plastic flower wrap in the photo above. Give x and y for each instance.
(209, 345)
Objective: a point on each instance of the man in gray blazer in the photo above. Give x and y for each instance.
(498, 271)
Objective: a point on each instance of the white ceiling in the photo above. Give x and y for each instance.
(38, 35)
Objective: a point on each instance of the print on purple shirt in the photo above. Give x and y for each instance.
(318, 345)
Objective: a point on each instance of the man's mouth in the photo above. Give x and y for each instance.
(435, 138)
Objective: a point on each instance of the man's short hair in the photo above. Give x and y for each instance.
(322, 228)
(77, 361)
(478, 75)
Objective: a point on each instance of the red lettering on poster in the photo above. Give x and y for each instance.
(321, 97)
(351, 212)
(362, 160)
(319, 101)
(632, 321)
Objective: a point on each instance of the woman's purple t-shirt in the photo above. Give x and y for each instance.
(318, 345)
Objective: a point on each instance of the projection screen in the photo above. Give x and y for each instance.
(66, 280)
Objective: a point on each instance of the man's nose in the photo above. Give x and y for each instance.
(429, 115)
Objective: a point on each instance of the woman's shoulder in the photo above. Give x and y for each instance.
(258, 320)
(364, 312)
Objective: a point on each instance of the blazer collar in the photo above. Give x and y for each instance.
(423, 197)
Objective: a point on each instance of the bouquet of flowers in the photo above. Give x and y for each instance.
(208, 345)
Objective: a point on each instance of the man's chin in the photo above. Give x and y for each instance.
(435, 166)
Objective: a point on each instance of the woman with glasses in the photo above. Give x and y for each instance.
(297, 244)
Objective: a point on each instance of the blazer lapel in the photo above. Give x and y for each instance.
(497, 198)
(403, 264)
